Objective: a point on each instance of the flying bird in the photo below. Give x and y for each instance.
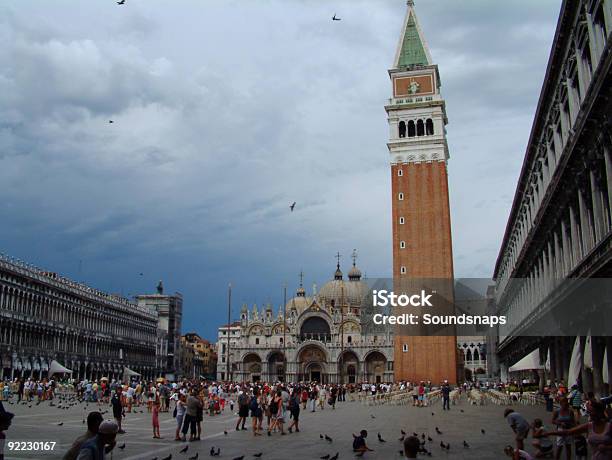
(292, 207)
(121, 2)
(335, 18)
(110, 121)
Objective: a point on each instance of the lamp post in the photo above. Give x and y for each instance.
(229, 329)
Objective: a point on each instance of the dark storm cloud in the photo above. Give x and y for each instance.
(227, 112)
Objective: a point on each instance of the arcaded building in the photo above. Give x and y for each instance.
(560, 225)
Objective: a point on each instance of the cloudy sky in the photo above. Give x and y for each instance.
(227, 111)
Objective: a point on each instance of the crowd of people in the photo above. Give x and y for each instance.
(579, 423)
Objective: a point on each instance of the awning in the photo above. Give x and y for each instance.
(575, 364)
(127, 372)
(57, 368)
(528, 363)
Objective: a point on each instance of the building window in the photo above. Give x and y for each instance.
(429, 127)
(400, 172)
(256, 341)
(405, 347)
(281, 340)
(402, 245)
(420, 128)
(402, 129)
(400, 196)
(350, 339)
(403, 270)
(401, 221)
(411, 130)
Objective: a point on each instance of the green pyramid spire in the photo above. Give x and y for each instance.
(413, 50)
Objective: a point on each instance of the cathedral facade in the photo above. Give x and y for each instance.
(327, 337)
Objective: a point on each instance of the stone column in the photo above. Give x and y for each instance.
(598, 346)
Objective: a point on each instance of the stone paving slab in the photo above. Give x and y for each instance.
(40, 423)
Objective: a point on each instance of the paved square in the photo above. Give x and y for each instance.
(41, 423)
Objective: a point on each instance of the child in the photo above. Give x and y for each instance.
(359, 444)
(231, 403)
(541, 442)
(517, 454)
(156, 420)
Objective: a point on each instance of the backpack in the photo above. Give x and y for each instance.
(253, 405)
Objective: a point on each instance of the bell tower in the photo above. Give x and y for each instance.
(418, 154)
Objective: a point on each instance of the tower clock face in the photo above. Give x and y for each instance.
(421, 85)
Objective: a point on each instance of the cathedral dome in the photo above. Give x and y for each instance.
(341, 292)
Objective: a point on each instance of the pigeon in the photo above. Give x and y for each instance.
(110, 121)
(60, 423)
(122, 446)
(225, 432)
(461, 410)
(218, 452)
(334, 18)
(442, 445)
(401, 452)
(448, 446)
(212, 451)
(328, 439)
(438, 430)
(372, 416)
(402, 438)
(433, 413)
(335, 457)
(239, 458)
(121, 2)
(321, 436)
(195, 457)
(292, 207)
(258, 455)
(403, 432)
(413, 434)
(466, 445)
(325, 457)
(83, 421)
(169, 457)
(482, 431)
(184, 449)
(429, 438)
(380, 439)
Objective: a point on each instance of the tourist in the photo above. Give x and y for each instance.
(117, 409)
(322, 393)
(415, 396)
(412, 446)
(191, 417)
(180, 415)
(519, 425)
(103, 442)
(294, 410)
(564, 418)
(598, 432)
(304, 397)
(94, 419)
(256, 412)
(6, 418)
(575, 400)
(517, 454)
(312, 397)
(155, 420)
(243, 410)
(446, 389)
(359, 443)
(541, 442)
(422, 394)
